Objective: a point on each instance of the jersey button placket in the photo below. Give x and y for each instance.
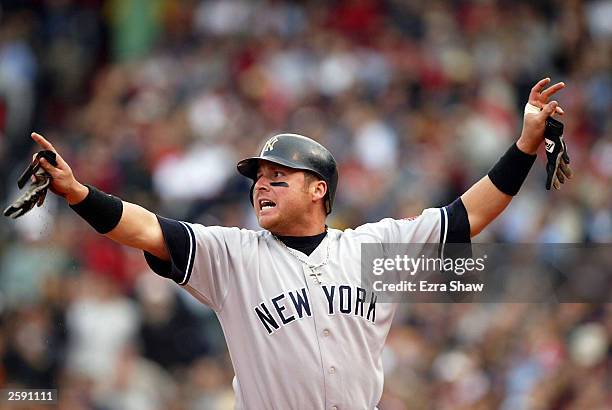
(312, 286)
(333, 379)
(311, 280)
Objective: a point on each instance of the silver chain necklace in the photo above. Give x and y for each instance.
(314, 269)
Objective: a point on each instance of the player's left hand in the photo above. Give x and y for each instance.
(538, 109)
(539, 125)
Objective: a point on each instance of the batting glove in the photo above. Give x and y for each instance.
(557, 166)
(35, 193)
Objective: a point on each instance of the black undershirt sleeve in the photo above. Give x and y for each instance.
(458, 223)
(458, 243)
(180, 242)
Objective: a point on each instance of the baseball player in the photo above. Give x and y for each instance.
(302, 332)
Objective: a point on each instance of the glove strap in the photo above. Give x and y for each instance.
(511, 170)
(100, 210)
(35, 166)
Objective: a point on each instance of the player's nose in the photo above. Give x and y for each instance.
(262, 183)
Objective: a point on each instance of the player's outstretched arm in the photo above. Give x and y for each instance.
(487, 198)
(136, 227)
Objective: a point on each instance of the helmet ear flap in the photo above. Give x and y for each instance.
(251, 193)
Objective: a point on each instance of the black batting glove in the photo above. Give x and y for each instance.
(37, 190)
(557, 166)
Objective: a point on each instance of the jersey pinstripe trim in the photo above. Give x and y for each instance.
(191, 254)
(443, 231)
(444, 225)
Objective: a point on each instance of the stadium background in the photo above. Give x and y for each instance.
(155, 100)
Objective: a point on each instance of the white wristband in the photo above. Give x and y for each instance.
(531, 109)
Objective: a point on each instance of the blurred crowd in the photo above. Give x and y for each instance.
(156, 100)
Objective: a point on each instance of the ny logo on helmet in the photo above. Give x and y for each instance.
(269, 145)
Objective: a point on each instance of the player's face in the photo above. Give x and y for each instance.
(281, 198)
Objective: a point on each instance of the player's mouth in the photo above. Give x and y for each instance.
(265, 204)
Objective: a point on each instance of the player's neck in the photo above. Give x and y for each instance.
(300, 231)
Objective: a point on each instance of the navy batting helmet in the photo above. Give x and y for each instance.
(297, 152)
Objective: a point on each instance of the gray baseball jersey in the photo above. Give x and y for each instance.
(297, 340)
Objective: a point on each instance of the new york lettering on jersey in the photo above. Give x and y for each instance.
(344, 299)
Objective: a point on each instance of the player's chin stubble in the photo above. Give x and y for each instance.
(271, 223)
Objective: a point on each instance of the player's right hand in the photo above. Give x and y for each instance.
(63, 182)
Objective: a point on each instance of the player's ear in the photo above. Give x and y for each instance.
(319, 189)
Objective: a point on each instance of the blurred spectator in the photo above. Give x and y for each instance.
(136, 25)
(171, 335)
(101, 324)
